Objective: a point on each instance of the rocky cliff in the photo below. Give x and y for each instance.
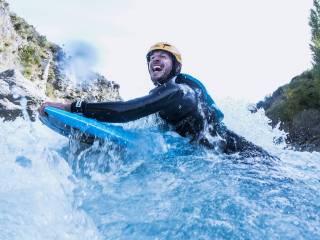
(34, 69)
(297, 107)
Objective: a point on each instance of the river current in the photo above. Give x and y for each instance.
(52, 188)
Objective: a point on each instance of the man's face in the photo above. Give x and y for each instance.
(160, 66)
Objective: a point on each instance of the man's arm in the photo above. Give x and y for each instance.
(125, 111)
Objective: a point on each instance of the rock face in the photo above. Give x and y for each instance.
(17, 96)
(297, 107)
(33, 69)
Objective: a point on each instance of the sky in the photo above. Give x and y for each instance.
(239, 49)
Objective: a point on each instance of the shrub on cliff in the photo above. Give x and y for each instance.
(314, 23)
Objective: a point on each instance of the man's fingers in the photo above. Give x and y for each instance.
(41, 109)
(65, 107)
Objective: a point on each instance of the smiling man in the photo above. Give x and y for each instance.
(179, 99)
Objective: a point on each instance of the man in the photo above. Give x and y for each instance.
(179, 99)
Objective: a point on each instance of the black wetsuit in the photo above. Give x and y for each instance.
(183, 103)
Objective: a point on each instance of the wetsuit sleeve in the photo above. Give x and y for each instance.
(125, 111)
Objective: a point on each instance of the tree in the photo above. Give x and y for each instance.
(314, 23)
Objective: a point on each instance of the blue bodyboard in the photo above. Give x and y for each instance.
(67, 124)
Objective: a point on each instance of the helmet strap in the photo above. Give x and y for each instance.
(174, 71)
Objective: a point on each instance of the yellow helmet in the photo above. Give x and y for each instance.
(168, 48)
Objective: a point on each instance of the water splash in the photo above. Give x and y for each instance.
(82, 59)
(165, 189)
(35, 190)
(46, 69)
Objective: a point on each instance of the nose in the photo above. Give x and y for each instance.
(155, 58)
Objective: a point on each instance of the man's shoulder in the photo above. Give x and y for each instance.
(169, 86)
(190, 80)
(196, 84)
(185, 76)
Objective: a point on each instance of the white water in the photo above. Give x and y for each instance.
(36, 186)
(38, 190)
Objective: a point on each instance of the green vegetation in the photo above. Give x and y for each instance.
(29, 54)
(30, 57)
(314, 23)
(28, 32)
(22, 28)
(35, 48)
(302, 93)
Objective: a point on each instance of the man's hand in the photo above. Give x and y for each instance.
(65, 107)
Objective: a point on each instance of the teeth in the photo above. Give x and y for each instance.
(156, 68)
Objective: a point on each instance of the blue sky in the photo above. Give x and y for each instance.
(241, 49)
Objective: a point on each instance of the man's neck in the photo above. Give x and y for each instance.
(171, 80)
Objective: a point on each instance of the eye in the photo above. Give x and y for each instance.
(152, 57)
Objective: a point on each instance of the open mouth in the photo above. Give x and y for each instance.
(156, 68)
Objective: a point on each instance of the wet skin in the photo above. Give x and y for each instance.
(160, 66)
(66, 107)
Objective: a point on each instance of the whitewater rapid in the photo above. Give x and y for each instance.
(166, 189)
